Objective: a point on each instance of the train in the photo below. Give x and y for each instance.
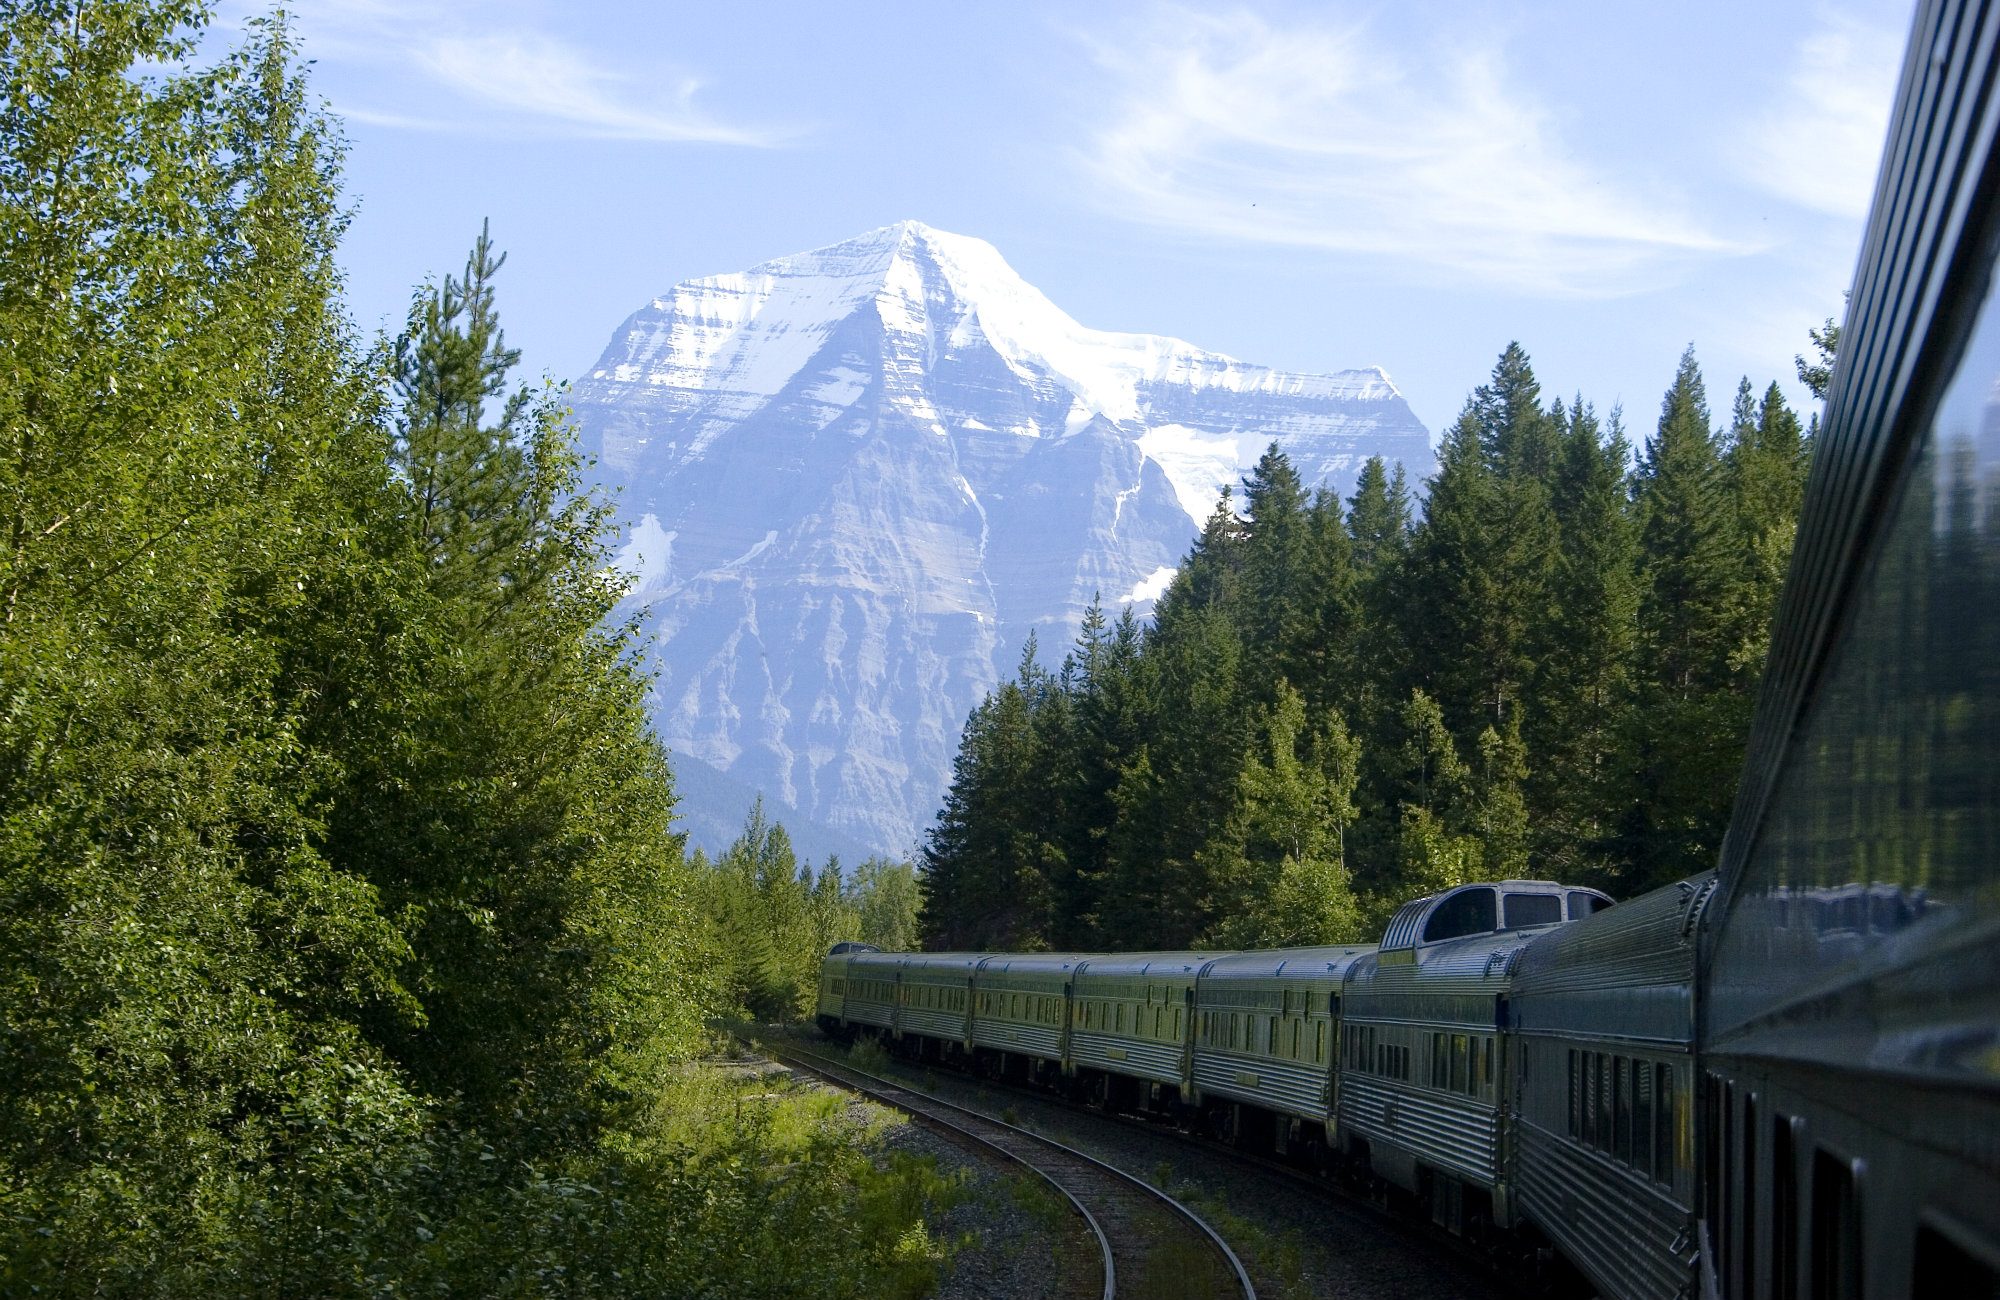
(1778, 1080)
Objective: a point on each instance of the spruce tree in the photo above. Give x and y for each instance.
(1690, 712)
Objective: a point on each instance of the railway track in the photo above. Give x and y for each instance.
(1153, 1247)
(1512, 1277)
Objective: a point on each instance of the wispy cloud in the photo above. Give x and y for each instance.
(1819, 145)
(512, 76)
(1318, 137)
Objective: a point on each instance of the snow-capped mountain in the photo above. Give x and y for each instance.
(855, 479)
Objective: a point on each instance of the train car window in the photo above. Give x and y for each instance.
(1665, 1156)
(1582, 904)
(1621, 1109)
(1521, 910)
(1319, 1043)
(1460, 1068)
(1486, 1074)
(1440, 1071)
(1943, 1267)
(1271, 1039)
(1785, 1215)
(1470, 911)
(1836, 1231)
(1746, 1201)
(1575, 1096)
(1643, 1154)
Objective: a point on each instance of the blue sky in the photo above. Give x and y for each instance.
(1310, 186)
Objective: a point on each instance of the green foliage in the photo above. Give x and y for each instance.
(1548, 674)
(773, 918)
(345, 946)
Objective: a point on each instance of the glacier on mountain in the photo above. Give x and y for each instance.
(855, 480)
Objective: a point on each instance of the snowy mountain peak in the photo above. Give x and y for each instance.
(856, 478)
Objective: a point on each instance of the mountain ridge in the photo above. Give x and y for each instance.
(854, 479)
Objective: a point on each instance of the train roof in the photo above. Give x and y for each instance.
(1323, 962)
(965, 962)
(1148, 963)
(1025, 962)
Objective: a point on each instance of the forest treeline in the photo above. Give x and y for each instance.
(1543, 668)
(346, 944)
(775, 918)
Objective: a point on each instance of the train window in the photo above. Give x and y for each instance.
(1643, 1154)
(1521, 910)
(1575, 1096)
(1945, 1268)
(1118, 1025)
(1271, 1039)
(1440, 1070)
(1621, 1110)
(1177, 1022)
(1582, 904)
(1470, 911)
(1664, 1155)
(1785, 1216)
(1606, 1108)
(1486, 1073)
(1461, 1047)
(1836, 1230)
(1746, 1167)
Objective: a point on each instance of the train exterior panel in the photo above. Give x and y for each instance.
(1020, 1004)
(1267, 1029)
(1850, 997)
(935, 995)
(1129, 1015)
(870, 998)
(1602, 1020)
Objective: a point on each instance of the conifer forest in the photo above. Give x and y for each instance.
(347, 943)
(1540, 665)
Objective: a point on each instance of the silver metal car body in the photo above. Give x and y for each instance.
(1267, 1025)
(1129, 1014)
(870, 998)
(935, 997)
(1019, 1003)
(1601, 1131)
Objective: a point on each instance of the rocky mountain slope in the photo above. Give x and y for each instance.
(855, 479)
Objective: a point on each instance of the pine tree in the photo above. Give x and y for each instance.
(1690, 712)
(1583, 683)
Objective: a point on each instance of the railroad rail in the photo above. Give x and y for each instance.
(1153, 1246)
(1511, 1273)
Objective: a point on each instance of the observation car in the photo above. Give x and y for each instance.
(1422, 1017)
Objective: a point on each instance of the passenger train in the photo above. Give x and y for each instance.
(1776, 1081)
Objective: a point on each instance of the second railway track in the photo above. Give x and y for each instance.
(1154, 1247)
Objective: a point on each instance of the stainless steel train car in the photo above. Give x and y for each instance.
(934, 997)
(1129, 1019)
(1601, 1067)
(1021, 1011)
(1268, 1025)
(1849, 1008)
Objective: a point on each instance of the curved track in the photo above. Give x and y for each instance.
(1153, 1246)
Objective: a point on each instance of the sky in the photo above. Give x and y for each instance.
(1407, 184)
